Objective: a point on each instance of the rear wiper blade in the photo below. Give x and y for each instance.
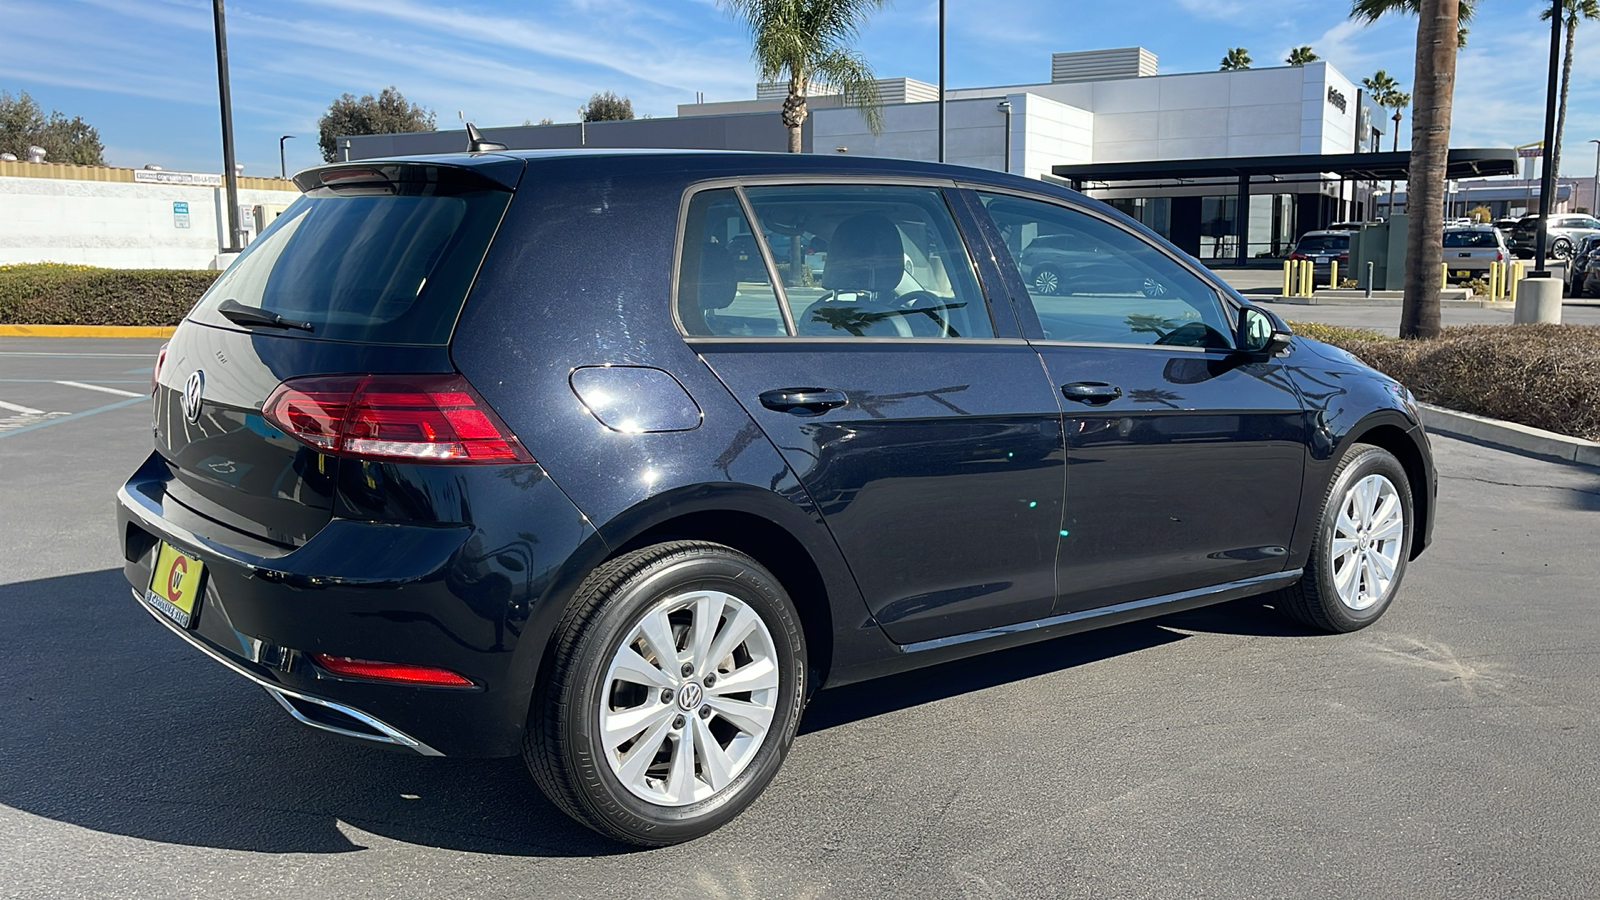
(239, 314)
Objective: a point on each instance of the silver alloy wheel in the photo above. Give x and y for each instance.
(1367, 537)
(1046, 281)
(689, 697)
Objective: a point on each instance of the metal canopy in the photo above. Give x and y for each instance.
(1464, 163)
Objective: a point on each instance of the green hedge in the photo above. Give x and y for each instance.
(1545, 376)
(56, 294)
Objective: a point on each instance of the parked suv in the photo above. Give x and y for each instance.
(1561, 237)
(1322, 248)
(505, 453)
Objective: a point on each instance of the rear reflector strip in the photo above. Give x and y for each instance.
(398, 673)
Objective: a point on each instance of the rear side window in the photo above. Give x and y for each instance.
(723, 288)
(385, 265)
(1323, 243)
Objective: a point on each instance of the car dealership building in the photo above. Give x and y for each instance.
(1230, 166)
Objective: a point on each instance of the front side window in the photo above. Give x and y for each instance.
(1092, 282)
(870, 261)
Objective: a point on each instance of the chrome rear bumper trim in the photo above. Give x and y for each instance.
(386, 733)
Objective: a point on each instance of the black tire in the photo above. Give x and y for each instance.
(1561, 249)
(562, 744)
(1314, 599)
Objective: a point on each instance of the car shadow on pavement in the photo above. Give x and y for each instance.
(108, 723)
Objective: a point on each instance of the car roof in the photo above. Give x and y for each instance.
(1325, 233)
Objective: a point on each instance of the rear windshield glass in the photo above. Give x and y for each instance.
(1471, 239)
(390, 268)
(1322, 243)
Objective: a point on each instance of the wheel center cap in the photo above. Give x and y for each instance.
(690, 696)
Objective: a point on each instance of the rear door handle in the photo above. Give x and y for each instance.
(1095, 392)
(804, 401)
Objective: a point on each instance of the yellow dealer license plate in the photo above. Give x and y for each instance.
(175, 586)
(1463, 273)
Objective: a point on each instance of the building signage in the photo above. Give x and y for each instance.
(146, 176)
(180, 214)
(1336, 98)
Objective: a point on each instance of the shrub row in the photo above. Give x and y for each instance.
(55, 294)
(1545, 376)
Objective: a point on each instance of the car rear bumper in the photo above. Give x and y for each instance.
(426, 595)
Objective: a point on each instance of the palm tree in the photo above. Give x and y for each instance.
(1238, 58)
(1437, 21)
(807, 41)
(1299, 56)
(1575, 9)
(1398, 100)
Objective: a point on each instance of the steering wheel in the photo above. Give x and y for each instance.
(929, 304)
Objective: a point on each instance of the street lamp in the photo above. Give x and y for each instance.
(1547, 183)
(229, 175)
(1005, 107)
(1594, 203)
(283, 169)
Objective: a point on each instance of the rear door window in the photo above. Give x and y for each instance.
(380, 263)
(723, 286)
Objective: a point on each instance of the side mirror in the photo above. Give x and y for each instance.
(1261, 334)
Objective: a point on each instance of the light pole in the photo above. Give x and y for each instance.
(1005, 107)
(283, 168)
(941, 80)
(1396, 118)
(1547, 183)
(229, 175)
(1594, 202)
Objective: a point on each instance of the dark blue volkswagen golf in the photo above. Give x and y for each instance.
(613, 459)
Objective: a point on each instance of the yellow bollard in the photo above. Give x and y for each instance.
(1308, 278)
(1444, 275)
(1516, 276)
(1494, 281)
(1333, 274)
(1288, 264)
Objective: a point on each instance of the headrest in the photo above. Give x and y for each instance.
(865, 254)
(714, 280)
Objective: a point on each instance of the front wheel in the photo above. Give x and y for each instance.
(1046, 280)
(674, 692)
(1363, 542)
(1561, 249)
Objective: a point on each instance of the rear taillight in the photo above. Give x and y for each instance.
(1344, 257)
(155, 373)
(418, 418)
(400, 673)
(1297, 256)
(1499, 257)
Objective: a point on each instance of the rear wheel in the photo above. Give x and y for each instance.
(1561, 249)
(674, 693)
(1046, 280)
(1363, 541)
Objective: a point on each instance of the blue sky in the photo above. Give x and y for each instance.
(143, 71)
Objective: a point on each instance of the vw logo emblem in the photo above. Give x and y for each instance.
(690, 696)
(193, 389)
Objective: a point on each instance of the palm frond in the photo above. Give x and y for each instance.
(848, 71)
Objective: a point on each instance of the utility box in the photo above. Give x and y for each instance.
(1384, 245)
(266, 212)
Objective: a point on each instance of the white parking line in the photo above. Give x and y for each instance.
(100, 387)
(25, 410)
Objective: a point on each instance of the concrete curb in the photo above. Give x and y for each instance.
(1521, 439)
(86, 331)
(1358, 300)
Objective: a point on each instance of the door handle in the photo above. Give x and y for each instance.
(1094, 392)
(804, 401)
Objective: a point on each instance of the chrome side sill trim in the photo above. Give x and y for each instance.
(1263, 582)
(387, 734)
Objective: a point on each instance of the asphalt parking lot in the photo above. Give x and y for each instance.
(1448, 751)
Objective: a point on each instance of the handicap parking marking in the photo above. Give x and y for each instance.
(25, 417)
(100, 387)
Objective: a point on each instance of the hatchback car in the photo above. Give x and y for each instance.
(504, 453)
(1322, 248)
(1468, 250)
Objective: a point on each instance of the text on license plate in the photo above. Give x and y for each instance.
(175, 585)
(1462, 273)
